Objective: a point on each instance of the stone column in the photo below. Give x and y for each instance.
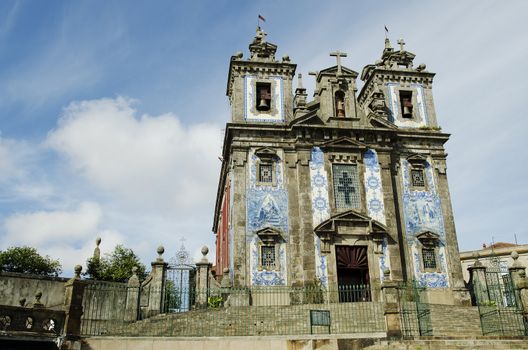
(389, 290)
(477, 282)
(517, 275)
(74, 292)
(203, 267)
(132, 302)
(157, 283)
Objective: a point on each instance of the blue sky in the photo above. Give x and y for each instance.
(111, 112)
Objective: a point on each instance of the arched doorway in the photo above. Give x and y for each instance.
(352, 273)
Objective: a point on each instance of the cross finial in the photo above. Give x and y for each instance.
(402, 44)
(338, 54)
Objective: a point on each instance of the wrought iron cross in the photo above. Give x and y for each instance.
(401, 43)
(338, 54)
(345, 187)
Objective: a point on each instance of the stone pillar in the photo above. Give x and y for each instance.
(477, 282)
(74, 291)
(157, 284)
(389, 289)
(132, 301)
(518, 276)
(203, 267)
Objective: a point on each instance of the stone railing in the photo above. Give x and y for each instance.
(18, 320)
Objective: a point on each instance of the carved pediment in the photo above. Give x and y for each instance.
(344, 71)
(269, 235)
(365, 224)
(349, 223)
(417, 160)
(344, 142)
(428, 238)
(379, 122)
(308, 119)
(265, 153)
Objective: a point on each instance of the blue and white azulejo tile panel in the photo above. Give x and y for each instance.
(267, 205)
(261, 277)
(320, 209)
(373, 186)
(384, 260)
(423, 212)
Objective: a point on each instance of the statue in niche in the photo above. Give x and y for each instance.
(340, 104)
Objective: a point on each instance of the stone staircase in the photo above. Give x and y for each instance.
(454, 321)
(257, 320)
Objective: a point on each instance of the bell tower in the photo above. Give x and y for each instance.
(399, 91)
(259, 88)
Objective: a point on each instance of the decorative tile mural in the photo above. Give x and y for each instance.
(423, 212)
(266, 206)
(394, 106)
(384, 260)
(276, 113)
(267, 277)
(320, 209)
(373, 186)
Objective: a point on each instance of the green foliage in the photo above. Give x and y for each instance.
(214, 301)
(116, 266)
(172, 297)
(28, 260)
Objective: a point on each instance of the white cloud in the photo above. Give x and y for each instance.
(152, 163)
(67, 235)
(49, 227)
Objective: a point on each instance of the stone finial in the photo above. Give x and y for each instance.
(205, 251)
(77, 269)
(387, 44)
(421, 67)
(238, 55)
(515, 257)
(286, 58)
(97, 251)
(160, 252)
(37, 302)
(402, 44)
(299, 81)
(477, 262)
(22, 302)
(134, 271)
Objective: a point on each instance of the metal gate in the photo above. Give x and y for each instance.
(499, 305)
(415, 311)
(179, 283)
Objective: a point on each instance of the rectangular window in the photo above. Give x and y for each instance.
(417, 177)
(267, 256)
(263, 102)
(265, 173)
(406, 104)
(429, 258)
(346, 186)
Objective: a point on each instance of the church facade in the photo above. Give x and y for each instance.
(346, 189)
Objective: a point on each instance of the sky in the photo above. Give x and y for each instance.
(112, 112)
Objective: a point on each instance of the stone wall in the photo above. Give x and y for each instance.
(16, 286)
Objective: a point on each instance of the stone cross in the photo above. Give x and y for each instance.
(338, 54)
(401, 43)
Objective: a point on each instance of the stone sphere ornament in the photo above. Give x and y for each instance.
(205, 250)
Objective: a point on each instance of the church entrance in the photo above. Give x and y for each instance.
(352, 273)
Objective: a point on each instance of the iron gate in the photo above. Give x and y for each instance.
(499, 305)
(415, 311)
(179, 283)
